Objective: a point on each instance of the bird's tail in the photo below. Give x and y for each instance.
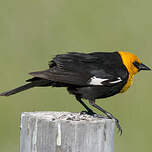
(19, 89)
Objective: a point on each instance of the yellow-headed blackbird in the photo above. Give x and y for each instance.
(89, 76)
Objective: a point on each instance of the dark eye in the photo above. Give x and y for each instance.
(136, 64)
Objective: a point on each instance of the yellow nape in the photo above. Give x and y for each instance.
(128, 59)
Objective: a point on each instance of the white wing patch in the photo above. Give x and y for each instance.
(98, 81)
(119, 80)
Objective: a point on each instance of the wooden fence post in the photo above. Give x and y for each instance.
(65, 132)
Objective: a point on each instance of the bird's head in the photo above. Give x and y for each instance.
(132, 62)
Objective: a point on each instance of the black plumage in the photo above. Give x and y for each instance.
(90, 76)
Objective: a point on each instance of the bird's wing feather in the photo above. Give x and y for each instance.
(61, 76)
(104, 82)
(80, 69)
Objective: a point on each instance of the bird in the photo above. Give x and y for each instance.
(89, 76)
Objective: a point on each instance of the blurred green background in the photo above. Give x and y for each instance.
(34, 31)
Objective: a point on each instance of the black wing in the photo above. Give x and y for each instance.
(84, 69)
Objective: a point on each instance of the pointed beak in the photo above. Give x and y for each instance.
(143, 67)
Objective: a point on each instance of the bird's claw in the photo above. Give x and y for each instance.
(91, 113)
(83, 112)
(116, 122)
(118, 126)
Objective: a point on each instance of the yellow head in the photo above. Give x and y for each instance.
(132, 63)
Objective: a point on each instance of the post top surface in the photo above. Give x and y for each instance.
(65, 116)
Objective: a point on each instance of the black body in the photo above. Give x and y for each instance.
(75, 72)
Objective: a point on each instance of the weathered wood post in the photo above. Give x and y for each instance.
(65, 132)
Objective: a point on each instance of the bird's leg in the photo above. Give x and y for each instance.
(89, 111)
(109, 115)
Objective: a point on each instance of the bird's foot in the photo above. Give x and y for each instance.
(91, 113)
(118, 126)
(110, 116)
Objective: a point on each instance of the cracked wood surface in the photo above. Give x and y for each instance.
(65, 132)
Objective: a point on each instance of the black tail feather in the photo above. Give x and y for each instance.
(19, 89)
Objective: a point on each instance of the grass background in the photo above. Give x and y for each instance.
(34, 31)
